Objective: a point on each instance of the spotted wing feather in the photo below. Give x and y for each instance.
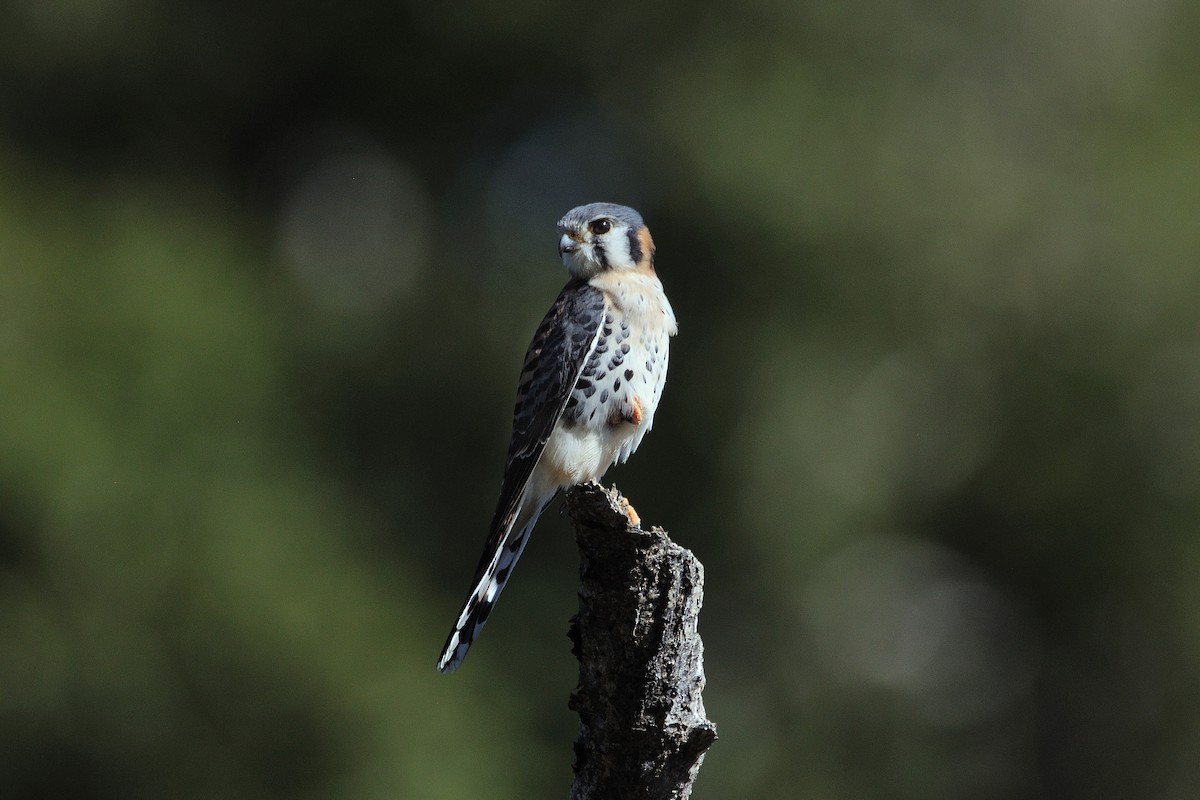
(556, 357)
(553, 363)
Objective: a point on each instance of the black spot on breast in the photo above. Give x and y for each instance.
(650, 365)
(604, 396)
(617, 385)
(624, 348)
(628, 374)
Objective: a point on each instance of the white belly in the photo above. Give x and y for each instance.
(612, 405)
(577, 453)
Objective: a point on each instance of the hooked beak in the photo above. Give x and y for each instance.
(569, 243)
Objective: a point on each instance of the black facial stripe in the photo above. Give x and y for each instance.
(635, 245)
(601, 259)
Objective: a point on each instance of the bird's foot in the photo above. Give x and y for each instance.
(637, 415)
(628, 412)
(627, 508)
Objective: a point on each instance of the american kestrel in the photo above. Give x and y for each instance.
(589, 386)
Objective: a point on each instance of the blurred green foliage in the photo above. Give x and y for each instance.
(933, 423)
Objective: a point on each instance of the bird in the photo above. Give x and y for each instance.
(588, 389)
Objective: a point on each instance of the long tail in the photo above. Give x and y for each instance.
(494, 572)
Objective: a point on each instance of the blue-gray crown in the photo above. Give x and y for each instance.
(579, 217)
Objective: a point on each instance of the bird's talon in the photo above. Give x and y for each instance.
(631, 413)
(634, 519)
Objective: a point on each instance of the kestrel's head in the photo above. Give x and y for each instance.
(604, 236)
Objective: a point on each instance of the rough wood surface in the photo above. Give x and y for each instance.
(643, 731)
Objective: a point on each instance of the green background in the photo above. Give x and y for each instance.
(267, 273)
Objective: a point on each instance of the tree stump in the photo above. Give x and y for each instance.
(643, 731)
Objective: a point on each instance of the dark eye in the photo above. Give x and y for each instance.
(601, 226)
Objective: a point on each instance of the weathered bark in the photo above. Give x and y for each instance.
(643, 731)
